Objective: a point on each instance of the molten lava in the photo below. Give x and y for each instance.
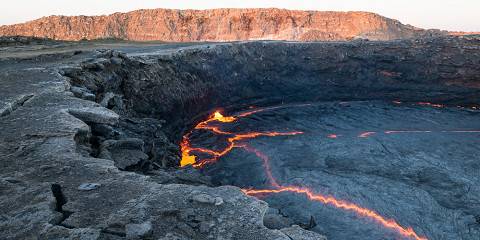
(332, 136)
(185, 146)
(437, 105)
(188, 158)
(328, 200)
(266, 165)
(388, 223)
(368, 134)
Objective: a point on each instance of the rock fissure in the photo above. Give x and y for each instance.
(12, 106)
(60, 201)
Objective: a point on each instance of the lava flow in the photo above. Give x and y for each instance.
(186, 148)
(368, 134)
(328, 200)
(388, 223)
(190, 159)
(438, 105)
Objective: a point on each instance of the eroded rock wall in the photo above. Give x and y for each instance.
(219, 25)
(183, 87)
(235, 75)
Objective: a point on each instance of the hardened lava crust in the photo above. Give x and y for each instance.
(91, 139)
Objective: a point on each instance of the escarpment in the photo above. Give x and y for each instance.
(220, 25)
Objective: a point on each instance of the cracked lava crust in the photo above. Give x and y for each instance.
(311, 172)
(347, 140)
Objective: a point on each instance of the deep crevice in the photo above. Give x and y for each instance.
(60, 200)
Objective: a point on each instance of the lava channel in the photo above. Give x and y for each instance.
(187, 149)
(188, 158)
(438, 105)
(368, 134)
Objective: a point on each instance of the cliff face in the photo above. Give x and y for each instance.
(218, 25)
(463, 33)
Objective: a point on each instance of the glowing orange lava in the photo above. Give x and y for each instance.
(185, 146)
(438, 105)
(332, 136)
(366, 134)
(266, 165)
(406, 131)
(328, 200)
(388, 223)
(232, 142)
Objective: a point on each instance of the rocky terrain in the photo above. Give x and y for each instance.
(463, 33)
(413, 163)
(90, 137)
(220, 25)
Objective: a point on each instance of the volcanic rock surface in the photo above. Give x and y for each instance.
(413, 163)
(73, 120)
(220, 25)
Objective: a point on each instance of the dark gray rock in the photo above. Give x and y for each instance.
(124, 152)
(138, 231)
(107, 98)
(116, 60)
(59, 232)
(276, 221)
(95, 115)
(205, 198)
(157, 81)
(297, 233)
(88, 186)
(83, 93)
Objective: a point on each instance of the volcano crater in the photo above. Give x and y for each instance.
(390, 127)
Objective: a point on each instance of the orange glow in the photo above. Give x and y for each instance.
(328, 200)
(429, 131)
(366, 134)
(438, 105)
(407, 131)
(341, 204)
(332, 136)
(189, 159)
(266, 165)
(216, 116)
(219, 117)
(232, 142)
(250, 112)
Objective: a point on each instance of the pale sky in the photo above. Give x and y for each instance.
(461, 15)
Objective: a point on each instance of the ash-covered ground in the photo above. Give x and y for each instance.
(415, 163)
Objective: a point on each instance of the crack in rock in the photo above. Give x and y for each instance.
(15, 104)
